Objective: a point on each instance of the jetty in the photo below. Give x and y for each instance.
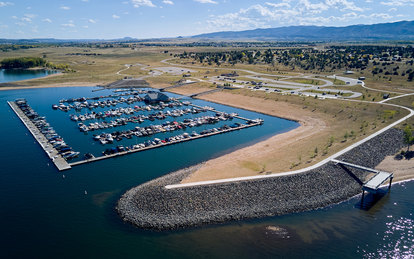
(176, 85)
(52, 153)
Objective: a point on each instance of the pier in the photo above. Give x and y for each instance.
(52, 153)
(162, 144)
(375, 182)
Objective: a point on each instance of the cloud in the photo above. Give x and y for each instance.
(168, 2)
(92, 21)
(65, 7)
(68, 25)
(115, 16)
(29, 15)
(3, 4)
(399, 3)
(206, 1)
(294, 12)
(47, 20)
(278, 5)
(139, 3)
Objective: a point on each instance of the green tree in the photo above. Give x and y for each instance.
(408, 137)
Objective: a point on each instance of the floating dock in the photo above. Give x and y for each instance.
(52, 153)
(163, 144)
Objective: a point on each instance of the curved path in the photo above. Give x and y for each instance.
(237, 179)
(325, 161)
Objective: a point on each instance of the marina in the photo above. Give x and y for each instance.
(158, 143)
(60, 153)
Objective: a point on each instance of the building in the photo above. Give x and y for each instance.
(232, 74)
(156, 97)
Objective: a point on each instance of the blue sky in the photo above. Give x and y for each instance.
(107, 19)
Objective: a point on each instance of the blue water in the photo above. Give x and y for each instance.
(10, 75)
(44, 214)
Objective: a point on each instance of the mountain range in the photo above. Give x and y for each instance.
(403, 30)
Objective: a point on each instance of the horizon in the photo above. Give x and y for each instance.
(154, 19)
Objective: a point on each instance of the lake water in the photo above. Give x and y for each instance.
(44, 214)
(10, 75)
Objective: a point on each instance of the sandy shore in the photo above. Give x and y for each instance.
(68, 84)
(403, 169)
(268, 155)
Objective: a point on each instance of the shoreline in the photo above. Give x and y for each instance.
(152, 206)
(69, 84)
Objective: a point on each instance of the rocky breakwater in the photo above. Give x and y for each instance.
(152, 206)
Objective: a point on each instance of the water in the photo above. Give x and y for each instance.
(10, 75)
(44, 214)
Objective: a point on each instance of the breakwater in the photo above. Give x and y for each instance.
(152, 206)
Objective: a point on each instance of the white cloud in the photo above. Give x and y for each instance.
(115, 16)
(47, 20)
(29, 15)
(344, 4)
(65, 7)
(399, 3)
(85, 26)
(3, 4)
(138, 3)
(295, 12)
(68, 25)
(278, 5)
(92, 21)
(206, 1)
(168, 2)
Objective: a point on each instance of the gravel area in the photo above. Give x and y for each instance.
(152, 206)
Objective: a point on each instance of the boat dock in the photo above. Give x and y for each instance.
(375, 182)
(214, 110)
(164, 144)
(52, 153)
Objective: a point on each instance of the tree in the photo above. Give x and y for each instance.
(408, 137)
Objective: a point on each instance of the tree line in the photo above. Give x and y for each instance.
(23, 62)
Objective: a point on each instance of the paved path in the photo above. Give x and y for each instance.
(334, 156)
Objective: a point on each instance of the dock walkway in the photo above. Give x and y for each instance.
(162, 144)
(52, 153)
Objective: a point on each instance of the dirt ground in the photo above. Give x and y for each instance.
(403, 169)
(263, 157)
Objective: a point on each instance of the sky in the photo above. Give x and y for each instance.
(143, 19)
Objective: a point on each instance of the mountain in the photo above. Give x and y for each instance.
(403, 30)
(58, 41)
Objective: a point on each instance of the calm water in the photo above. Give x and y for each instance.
(44, 214)
(10, 75)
